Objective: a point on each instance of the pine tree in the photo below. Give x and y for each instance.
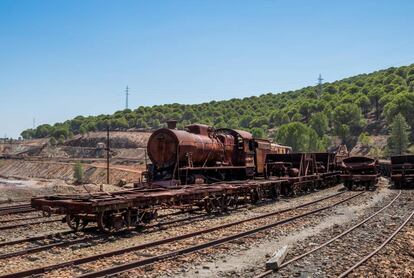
(398, 140)
(78, 172)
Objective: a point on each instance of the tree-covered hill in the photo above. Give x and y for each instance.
(305, 119)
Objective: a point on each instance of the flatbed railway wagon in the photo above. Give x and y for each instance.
(137, 207)
(305, 172)
(402, 171)
(359, 171)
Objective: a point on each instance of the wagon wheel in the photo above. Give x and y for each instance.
(73, 222)
(83, 223)
(253, 197)
(224, 200)
(273, 193)
(104, 222)
(208, 206)
(232, 202)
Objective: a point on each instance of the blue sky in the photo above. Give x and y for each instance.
(60, 59)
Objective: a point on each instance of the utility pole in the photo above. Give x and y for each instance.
(107, 155)
(126, 97)
(34, 123)
(320, 79)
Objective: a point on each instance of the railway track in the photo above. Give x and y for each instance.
(331, 242)
(187, 236)
(58, 235)
(35, 238)
(58, 241)
(373, 253)
(13, 226)
(20, 219)
(16, 209)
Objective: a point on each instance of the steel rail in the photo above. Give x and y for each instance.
(21, 219)
(139, 263)
(294, 259)
(15, 207)
(352, 268)
(96, 257)
(28, 224)
(47, 246)
(76, 241)
(17, 210)
(30, 239)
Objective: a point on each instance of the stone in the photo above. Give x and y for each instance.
(32, 259)
(277, 258)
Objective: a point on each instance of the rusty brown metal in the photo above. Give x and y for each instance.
(402, 171)
(144, 202)
(359, 171)
(167, 146)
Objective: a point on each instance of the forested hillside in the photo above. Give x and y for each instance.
(306, 119)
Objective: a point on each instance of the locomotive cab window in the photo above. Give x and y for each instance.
(252, 145)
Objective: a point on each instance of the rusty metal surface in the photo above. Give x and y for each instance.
(402, 170)
(168, 146)
(359, 165)
(359, 171)
(147, 200)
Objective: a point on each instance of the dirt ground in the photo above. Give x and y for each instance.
(93, 173)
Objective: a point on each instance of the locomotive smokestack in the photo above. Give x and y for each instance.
(172, 124)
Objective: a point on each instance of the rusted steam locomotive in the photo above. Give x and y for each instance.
(202, 154)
